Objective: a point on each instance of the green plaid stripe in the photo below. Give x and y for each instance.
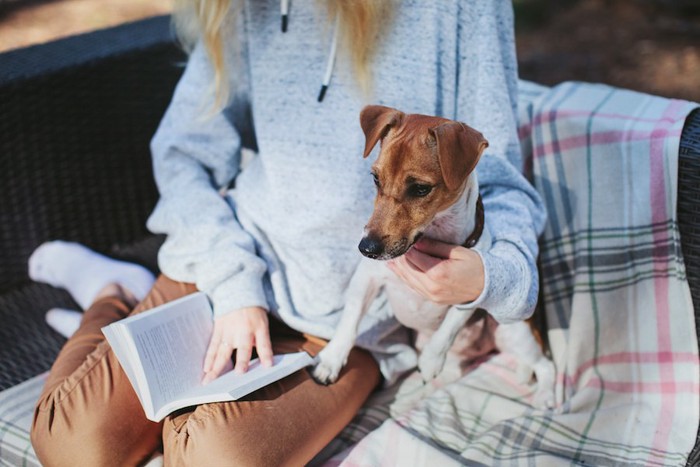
(16, 412)
(602, 260)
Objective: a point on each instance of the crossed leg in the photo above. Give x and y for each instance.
(88, 413)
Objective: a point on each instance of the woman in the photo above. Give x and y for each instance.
(274, 252)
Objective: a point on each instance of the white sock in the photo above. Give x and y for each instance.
(65, 322)
(155, 461)
(84, 273)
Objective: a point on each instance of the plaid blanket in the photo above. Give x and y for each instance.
(620, 317)
(16, 411)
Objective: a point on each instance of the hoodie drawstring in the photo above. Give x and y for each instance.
(330, 63)
(284, 12)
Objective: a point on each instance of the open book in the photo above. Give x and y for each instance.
(162, 352)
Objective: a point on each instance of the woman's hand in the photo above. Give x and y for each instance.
(239, 330)
(443, 273)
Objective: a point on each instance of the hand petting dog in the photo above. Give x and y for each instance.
(441, 272)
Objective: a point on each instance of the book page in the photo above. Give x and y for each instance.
(232, 386)
(171, 341)
(116, 341)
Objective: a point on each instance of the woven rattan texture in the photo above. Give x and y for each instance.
(689, 204)
(143, 252)
(76, 119)
(74, 154)
(689, 223)
(29, 346)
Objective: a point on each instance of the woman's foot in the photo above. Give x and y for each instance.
(65, 322)
(122, 293)
(86, 274)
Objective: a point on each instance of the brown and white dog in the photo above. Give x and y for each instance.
(426, 185)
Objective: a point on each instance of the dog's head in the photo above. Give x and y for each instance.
(421, 170)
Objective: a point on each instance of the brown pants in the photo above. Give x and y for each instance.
(88, 413)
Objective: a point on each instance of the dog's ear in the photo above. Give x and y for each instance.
(376, 121)
(459, 148)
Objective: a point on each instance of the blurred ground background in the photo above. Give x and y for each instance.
(647, 45)
(27, 22)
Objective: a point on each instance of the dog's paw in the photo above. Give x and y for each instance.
(325, 374)
(524, 374)
(544, 398)
(545, 372)
(328, 367)
(430, 364)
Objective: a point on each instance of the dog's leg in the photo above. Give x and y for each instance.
(432, 357)
(361, 291)
(517, 339)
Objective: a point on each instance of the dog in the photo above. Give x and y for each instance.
(426, 185)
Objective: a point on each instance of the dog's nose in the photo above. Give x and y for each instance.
(371, 247)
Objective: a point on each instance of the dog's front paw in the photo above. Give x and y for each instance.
(328, 366)
(430, 364)
(544, 398)
(545, 373)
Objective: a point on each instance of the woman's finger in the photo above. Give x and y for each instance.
(211, 350)
(243, 353)
(223, 355)
(209, 358)
(407, 273)
(421, 261)
(264, 346)
(436, 248)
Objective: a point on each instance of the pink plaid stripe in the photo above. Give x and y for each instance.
(601, 138)
(659, 213)
(670, 388)
(639, 359)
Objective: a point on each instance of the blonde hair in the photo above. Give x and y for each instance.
(360, 23)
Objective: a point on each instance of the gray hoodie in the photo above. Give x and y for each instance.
(285, 236)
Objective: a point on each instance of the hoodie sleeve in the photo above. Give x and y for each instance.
(196, 155)
(515, 215)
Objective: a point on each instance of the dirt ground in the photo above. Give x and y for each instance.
(647, 45)
(28, 22)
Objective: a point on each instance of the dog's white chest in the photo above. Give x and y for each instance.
(409, 307)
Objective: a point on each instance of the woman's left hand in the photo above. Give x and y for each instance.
(441, 272)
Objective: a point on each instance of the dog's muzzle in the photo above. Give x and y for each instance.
(371, 247)
(374, 248)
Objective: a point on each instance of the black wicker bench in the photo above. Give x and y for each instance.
(76, 118)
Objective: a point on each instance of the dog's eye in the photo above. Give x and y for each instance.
(419, 191)
(376, 179)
